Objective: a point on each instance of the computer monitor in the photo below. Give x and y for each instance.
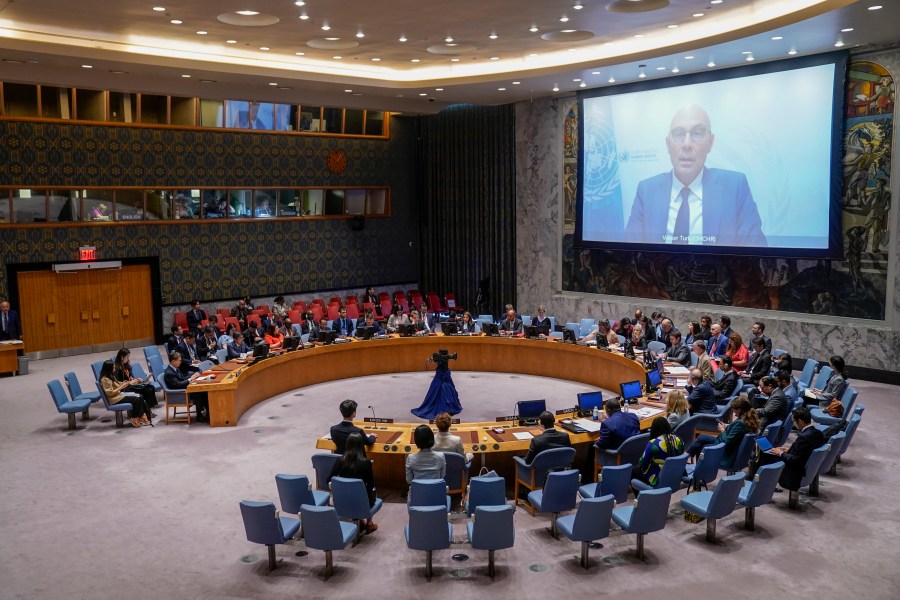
(490, 329)
(260, 350)
(326, 336)
(406, 329)
(291, 343)
(654, 379)
(365, 332)
(530, 410)
(660, 364)
(602, 342)
(535, 331)
(631, 391)
(588, 401)
(569, 336)
(450, 327)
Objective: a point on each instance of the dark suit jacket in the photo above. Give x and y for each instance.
(347, 323)
(680, 354)
(206, 349)
(13, 327)
(702, 399)
(775, 409)
(515, 327)
(341, 431)
(550, 438)
(174, 343)
(730, 216)
(716, 349)
(536, 322)
(618, 428)
(175, 379)
(795, 458)
(725, 386)
(759, 366)
(193, 320)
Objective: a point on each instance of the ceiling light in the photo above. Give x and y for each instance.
(746, 52)
(564, 19)
(376, 59)
(415, 60)
(349, 91)
(533, 29)
(578, 6)
(337, 57)
(402, 38)
(642, 75)
(875, 7)
(118, 72)
(583, 84)
(495, 58)
(159, 8)
(453, 45)
(423, 94)
(176, 21)
(595, 72)
(568, 31)
(516, 82)
(577, 79)
(448, 39)
(710, 64)
(501, 89)
(715, 1)
(555, 88)
(493, 36)
(300, 53)
(697, 15)
(231, 41)
(247, 13)
(454, 60)
(533, 54)
(207, 80)
(87, 66)
(660, 68)
(846, 30)
(750, 58)
(326, 27)
(792, 52)
(273, 83)
(676, 70)
(360, 35)
(612, 79)
(332, 39)
(186, 76)
(264, 48)
(304, 17)
(639, 35)
(439, 89)
(300, 3)
(777, 37)
(838, 44)
(688, 57)
(673, 26)
(201, 33)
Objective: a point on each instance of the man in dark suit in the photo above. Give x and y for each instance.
(315, 329)
(776, 407)
(724, 387)
(549, 438)
(10, 328)
(511, 325)
(701, 396)
(195, 317)
(341, 431)
(799, 452)
(718, 343)
(207, 345)
(190, 354)
(176, 340)
(678, 352)
(342, 325)
(693, 204)
(759, 363)
(176, 379)
(759, 330)
(617, 427)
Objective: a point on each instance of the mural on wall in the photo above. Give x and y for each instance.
(853, 287)
(570, 166)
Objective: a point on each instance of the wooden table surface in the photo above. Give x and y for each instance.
(9, 357)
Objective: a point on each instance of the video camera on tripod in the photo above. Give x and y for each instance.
(443, 357)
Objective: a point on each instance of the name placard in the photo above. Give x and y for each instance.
(565, 411)
(377, 420)
(507, 418)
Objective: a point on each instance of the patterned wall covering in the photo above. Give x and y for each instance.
(218, 260)
(853, 287)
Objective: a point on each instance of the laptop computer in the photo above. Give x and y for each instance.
(764, 444)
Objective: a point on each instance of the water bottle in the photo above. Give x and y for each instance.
(596, 414)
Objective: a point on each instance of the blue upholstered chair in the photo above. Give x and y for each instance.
(138, 371)
(685, 429)
(428, 492)
(151, 351)
(656, 347)
(716, 504)
(743, 455)
(323, 463)
(492, 529)
(836, 442)
(96, 366)
(174, 399)
(773, 431)
(806, 375)
(708, 423)
(485, 491)
(295, 491)
(620, 339)
(811, 472)
(759, 491)
(75, 391)
(848, 399)
(264, 526)
(457, 474)
(586, 326)
(323, 531)
(614, 480)
(532, 476)
(575, 327)
(222, 355)
(590, 523)
(706, 469)
(205, 365)
(669, 476)
(626, 454)
(785, 430)
(558, 494)
(66, 406)
(428, 530)
(351, 501)
(646, 515)
(852, 426)
(120, 409)
(821, 379)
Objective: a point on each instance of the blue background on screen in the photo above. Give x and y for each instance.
(632, 389)
(531, 409)
(587, 401)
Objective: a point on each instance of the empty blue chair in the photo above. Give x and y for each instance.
(120, 409)
(457, 474)
(264, 527)
(532, 476)
(716, 504)
(323, 531)
(428, 492)
(743, 455)
(806, 376)
(669, 476)
(75, 391)
(558, 495)
(852, 426)
(295, 491)
(526, 319)
(323, 463)
(614, 480)
(66, 406)
(138, 371)
(351, 501)
(836, 442)
(151, 351)
(485, 491)
(575, 328)
(627, 454)
(648, 514)
(492, 529)
(656, 347)
(586, 326)
(810, 472)
(428, 530)
(848, 399)
(222, 355)
(589, 524)
(685, 429)
(759, 491)
(706, 469)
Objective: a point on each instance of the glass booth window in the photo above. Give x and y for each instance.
(266, 201)
(129, 205)
(290, 203)
(30, 206)
(250, 115)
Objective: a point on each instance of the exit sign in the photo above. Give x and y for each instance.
(87, 253)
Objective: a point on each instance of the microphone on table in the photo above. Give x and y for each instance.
(372, 408)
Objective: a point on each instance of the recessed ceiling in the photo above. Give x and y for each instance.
(541, 44)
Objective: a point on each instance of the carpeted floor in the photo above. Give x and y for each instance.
(153, 513)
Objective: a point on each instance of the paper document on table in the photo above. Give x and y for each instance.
(205, 378)
(647, 412)
(678, 370)
(588, 424)
(809, 393)
(523, 435)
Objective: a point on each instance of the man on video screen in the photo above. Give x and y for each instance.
(694, 204)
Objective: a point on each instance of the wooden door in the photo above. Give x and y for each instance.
(137, 302)
(105, 298)
(74, 310)
(38, 300)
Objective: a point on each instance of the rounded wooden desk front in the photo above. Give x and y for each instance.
(239, 387)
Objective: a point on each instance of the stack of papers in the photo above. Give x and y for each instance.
(678, 370)
(588, 424)
(646, 412)
(523, 435)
